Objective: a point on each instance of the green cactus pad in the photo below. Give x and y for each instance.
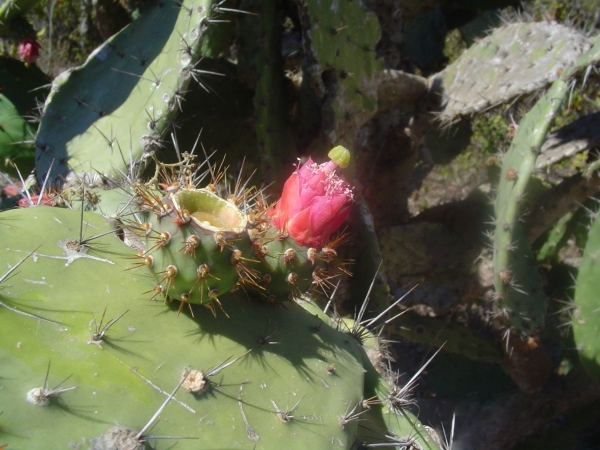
(516, 59)
(343, 68)
(388, 409)
(516, 278)
(20, 91)
(384, 421)
(586, 315)
(53, 308)
(383, 424)
(14, 131)
(107, 114)
(260, 43)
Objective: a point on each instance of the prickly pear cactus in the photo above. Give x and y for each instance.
(106, 115)
(516, 279)
(519, 58)
(121, 372)
(342, 65)
(21, 91)
(88, 361)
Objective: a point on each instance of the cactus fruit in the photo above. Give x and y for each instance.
(519, 58)
(107, 115)
(189, 243)
(200, 246)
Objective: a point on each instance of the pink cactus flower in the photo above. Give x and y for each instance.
(29, 50)
(314, 203)
(10, 191)
(35, 200)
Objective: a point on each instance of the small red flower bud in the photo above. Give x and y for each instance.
(35, 200)
(314, 203)
(29, 50)
(10, 191)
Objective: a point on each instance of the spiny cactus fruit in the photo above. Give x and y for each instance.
(200, 246)
(107, 115)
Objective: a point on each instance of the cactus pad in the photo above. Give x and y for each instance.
(516, 279)
(57, 309)
(107, 114)
(518, 58)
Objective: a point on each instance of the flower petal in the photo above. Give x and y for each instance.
(334, 224)
(324, 209)
(299, 227)
(288, 205)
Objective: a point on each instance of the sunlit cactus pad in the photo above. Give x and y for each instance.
(71, 310)
(103, 116)
(516, 59)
